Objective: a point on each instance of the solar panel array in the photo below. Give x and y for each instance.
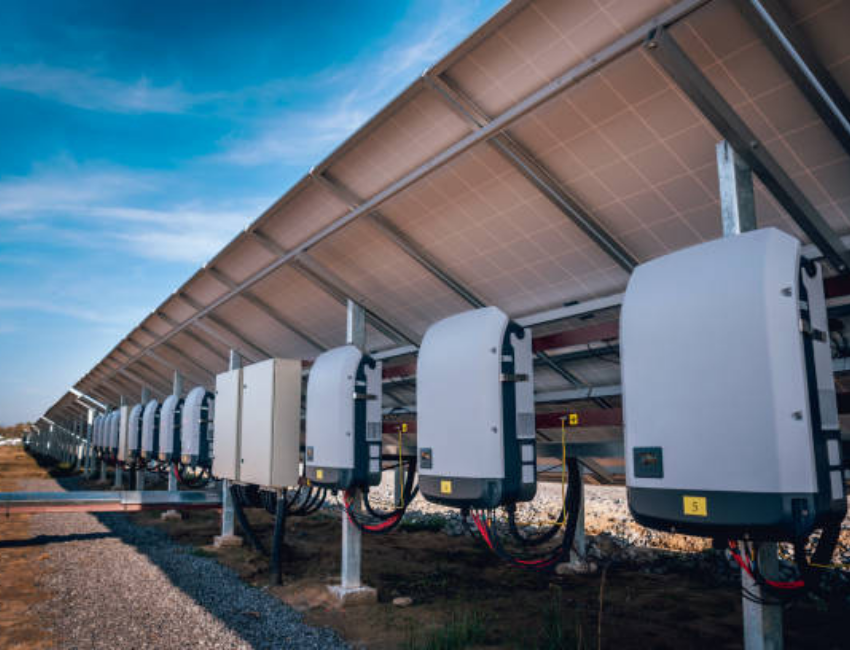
(418, 216)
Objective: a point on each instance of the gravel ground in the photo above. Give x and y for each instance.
(612, 534)
(118, 585)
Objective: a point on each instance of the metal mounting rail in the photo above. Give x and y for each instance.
(98, 501)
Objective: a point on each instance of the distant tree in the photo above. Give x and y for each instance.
(15, 431)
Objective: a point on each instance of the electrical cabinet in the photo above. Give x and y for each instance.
(270, 423)
(731, 425)
(475, 411)
(228, 397)
(258, 424)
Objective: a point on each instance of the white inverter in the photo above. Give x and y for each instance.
(344, 421)
(475, 411)
(134, 433)
(168, 449)
(150, 430)
(731, 425)
(196, 427)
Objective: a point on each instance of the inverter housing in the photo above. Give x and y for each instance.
(150, 430)
(344, 422)
(196, 427)
(123, 423)
(731, 425)
(475, 411)
(169, 429)
(111, 432)
(258, 424)
(134, 433)
(97, 432)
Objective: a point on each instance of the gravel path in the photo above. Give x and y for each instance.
(117, 585)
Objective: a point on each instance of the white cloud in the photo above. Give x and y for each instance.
(87, 90)
(51, 307)
(115, 203)
(353, 94)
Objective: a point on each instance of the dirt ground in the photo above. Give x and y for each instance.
(462, 595)
(458, 586)
(19, 562)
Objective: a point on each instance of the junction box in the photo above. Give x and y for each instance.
(258, 424)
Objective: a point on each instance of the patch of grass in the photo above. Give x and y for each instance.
(463, 630)
(201, 552)
(557, 631)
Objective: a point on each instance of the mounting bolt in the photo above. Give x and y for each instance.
(651, 45)
(787, 292)
(797, 415)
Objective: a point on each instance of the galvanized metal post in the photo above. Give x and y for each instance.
(140, 471)
(227, 522)
(580, 541)
(177, 391)
(351, 537)
(762, 623)
(89, 454)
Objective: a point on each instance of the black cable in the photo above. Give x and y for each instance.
(276, 576)
(553, 556)
(243, 522)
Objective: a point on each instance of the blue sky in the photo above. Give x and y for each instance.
(137, 138)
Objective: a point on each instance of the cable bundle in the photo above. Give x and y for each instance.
(182, 473)
(375, 521)
(487, 528)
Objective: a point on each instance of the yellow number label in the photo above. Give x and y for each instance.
(445, 487)
(573, 419)
(320, 474)
(695, 506)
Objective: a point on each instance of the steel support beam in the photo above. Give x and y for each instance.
(762, 621)
(341, 291)
(351, 536)
(533, 170)
(177, 352)
(688, 77)
(400, 239)
(191, 335)
(266, 308)
(256, 352)
(792, 49)
(201, 380)
(228, 535)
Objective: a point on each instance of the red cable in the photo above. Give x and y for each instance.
(796, 584)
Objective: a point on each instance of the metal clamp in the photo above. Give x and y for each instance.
(516, 377)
